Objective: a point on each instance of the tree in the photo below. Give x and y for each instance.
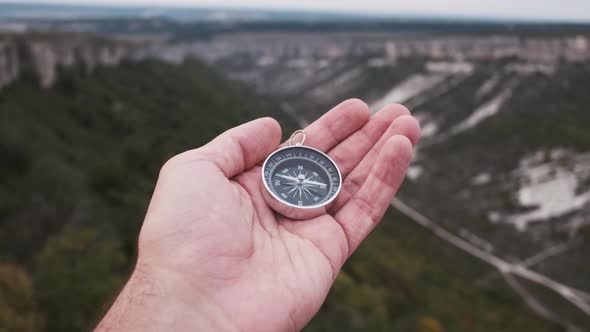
(18, 311)
(76, 273)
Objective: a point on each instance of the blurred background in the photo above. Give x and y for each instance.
(490, 231)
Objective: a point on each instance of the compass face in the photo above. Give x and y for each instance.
(301, 177)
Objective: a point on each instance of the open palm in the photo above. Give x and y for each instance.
(217, 247)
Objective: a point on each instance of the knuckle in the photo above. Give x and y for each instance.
(353, 184)
(368, 210)
(173, 163)
(396, 109)
(358, 102)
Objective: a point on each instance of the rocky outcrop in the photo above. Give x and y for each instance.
(45, 55)
(9, 63)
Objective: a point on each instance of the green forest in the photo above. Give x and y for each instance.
(80, 161)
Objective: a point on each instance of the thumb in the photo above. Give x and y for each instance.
(242, 147)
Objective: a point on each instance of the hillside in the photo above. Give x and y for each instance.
(404, 279)
(82, 154)
(503, 166)
(79, 164)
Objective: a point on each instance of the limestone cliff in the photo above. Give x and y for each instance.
(44, 55)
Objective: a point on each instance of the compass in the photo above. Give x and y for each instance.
(301, 180)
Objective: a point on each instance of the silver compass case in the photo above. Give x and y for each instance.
(300, 181)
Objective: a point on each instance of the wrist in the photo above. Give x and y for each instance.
(159, 299)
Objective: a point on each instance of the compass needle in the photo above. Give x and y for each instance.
(314, 183)
(288, 177)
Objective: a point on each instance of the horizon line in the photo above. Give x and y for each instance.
(367, 14)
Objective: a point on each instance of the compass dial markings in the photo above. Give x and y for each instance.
(307, 177)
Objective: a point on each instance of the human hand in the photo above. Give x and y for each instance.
(214, 256)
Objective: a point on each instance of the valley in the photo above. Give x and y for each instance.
(490, 230)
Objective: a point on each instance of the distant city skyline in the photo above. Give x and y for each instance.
(568, 10)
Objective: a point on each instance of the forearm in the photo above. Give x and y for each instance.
(169, 304)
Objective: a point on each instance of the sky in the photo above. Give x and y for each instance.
(569, 10)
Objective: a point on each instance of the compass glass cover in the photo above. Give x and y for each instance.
(301, 177)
